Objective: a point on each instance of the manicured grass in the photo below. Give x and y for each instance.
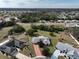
(4, 32)
(26, 26)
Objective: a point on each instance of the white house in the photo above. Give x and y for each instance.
(7, 19)
(75, 21)
(69, 50)
(67, 21)
(60, 21)
(15, 18)
(64, 47)
(44, 40)
(71, 24)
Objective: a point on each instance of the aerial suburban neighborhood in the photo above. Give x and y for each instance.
(39, 33)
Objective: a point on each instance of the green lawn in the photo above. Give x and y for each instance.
(4, 32)
(26, 26)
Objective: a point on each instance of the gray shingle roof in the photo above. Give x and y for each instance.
(61, 46)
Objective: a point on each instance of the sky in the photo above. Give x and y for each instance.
(39, 3)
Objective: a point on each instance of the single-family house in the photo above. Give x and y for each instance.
(7, 19)
(75, 21)
(15, 42)
(8, 50)
(64, 47)
(44, 40)
(60, 21)
(10, 45)
(69, 50)
(67, 21)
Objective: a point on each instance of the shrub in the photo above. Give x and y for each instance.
(9, 23)
(34, 26)
(31, 31)
(51, 33)
(17, 29)
(46, 51)
(49, 28)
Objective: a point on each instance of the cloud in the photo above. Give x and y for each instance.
(18, 2)
(39, 3)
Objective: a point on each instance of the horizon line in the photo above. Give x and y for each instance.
(39, 8)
